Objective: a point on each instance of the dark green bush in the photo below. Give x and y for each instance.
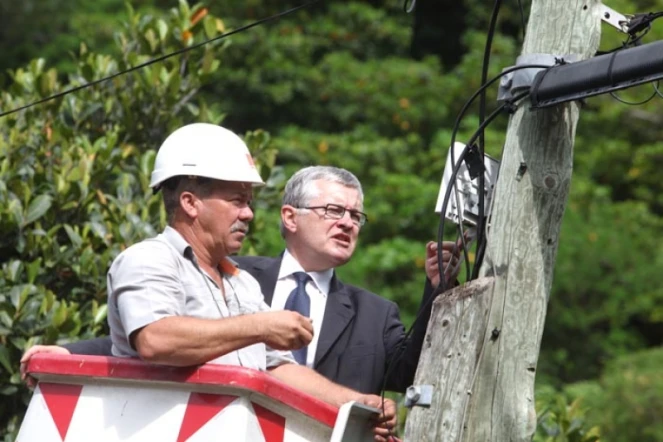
(631, 405)
(74, 177)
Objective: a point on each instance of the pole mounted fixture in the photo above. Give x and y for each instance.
(463, 206)
(521, 80)
(615, 19)
(599, 75)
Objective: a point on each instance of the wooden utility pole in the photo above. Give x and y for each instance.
(482, 346)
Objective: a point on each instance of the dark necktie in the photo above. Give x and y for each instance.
(299, 301)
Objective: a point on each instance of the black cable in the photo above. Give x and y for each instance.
(161, 58)
(398, 353)
(637, 27)
(469, 102)
(660, 94)
(639, 22)
(442, 286)
(484, 85)
(631, 40)
(466, 106)
(471, 141)
(636, 103)
(482, 112)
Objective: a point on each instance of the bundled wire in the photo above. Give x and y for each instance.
(509, 106)
(637, 27)
(454, 133)
(642, 22)
(482, 113)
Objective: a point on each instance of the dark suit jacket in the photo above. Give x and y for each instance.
(361, 333)
(361, 337)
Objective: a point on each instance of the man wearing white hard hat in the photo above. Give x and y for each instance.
(177, 299)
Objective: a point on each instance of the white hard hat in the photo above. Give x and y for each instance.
(204, 150)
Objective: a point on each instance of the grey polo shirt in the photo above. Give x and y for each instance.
(160, 277)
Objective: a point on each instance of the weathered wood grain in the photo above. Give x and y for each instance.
(449, 359)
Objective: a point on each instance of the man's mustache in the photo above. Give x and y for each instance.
(239, 227)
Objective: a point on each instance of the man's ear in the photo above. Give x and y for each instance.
(190, 204)
(289, 218)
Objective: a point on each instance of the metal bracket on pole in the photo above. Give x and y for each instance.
(514, 82)
(614, 18)
(421, 395)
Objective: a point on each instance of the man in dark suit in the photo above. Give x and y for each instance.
(361, 334)
(359, 339)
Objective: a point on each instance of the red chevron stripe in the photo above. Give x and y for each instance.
(202, 407)
(61, 400)
(272, 424)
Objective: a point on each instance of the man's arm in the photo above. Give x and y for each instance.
(184, 341)
(313, 383)
(403, 355)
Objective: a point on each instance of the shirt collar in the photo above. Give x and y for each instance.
(289, 265)
(175, 239)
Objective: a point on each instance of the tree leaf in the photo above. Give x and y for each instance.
(5, 319)
(37, 208)
(14, 267)
(101, 314)
(16, 209)
(8, 390)
(5, 359)
(209, 23)
(74, 237)
(60, 315)
(162, 27)
(33, 270)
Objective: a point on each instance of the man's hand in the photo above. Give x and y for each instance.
(385, 423)
(450, 261)
(286, 330)
(52, 349)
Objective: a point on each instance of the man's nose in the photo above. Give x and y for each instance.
(346, 219)
(246, 214)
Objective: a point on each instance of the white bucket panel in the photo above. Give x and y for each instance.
(81, 399)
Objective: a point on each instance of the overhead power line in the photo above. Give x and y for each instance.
(161, 58)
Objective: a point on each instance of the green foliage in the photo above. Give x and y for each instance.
(74, 177)
(631, 405)
(626, 403)
(608, 269)
(561, 421)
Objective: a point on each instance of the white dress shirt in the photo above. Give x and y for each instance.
(317, 290)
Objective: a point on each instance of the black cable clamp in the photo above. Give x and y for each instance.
(513, 83)
(628, 24)
(640, 22)
(473, 161)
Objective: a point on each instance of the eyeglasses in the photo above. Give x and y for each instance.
(334, 211)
